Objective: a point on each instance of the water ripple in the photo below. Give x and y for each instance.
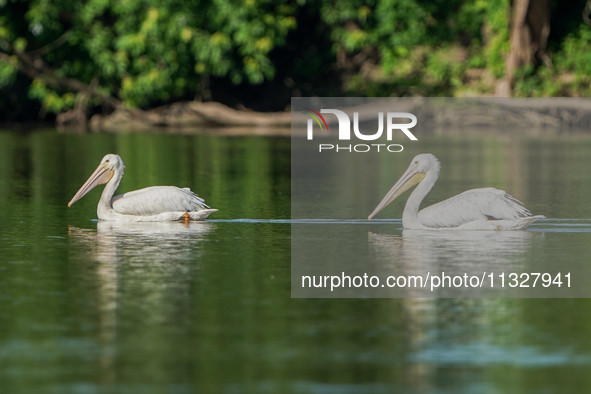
(542, 225)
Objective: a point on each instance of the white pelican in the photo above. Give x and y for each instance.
(476, 209)
(151, 204)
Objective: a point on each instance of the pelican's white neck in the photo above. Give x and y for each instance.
(105, 206)
(410, 215)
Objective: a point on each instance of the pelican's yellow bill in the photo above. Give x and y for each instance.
(100, 176)
(403, 184)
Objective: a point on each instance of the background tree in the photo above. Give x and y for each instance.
(136, 53)
(95, 55)
(529, 37)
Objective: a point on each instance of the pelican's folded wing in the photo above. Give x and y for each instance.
(476, 204)
(158, 199)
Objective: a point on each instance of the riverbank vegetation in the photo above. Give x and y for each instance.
(68, 60)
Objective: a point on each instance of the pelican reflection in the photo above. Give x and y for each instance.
(417, 252)
(157, 260)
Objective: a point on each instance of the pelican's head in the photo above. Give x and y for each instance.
(416, 172)
(109, 165)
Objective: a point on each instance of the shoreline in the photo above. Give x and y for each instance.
(554, 115)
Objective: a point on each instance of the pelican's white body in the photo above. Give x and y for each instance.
(476, 209)
(151, 204)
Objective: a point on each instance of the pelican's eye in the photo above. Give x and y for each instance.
(416, 161)
(106, 161)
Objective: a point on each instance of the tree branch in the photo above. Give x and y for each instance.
(44, 50)
(35, 68)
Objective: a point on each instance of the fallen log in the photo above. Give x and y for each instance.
(187, 114)
(549, 113)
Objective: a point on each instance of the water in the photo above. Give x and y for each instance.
(89, 307)
(547, 173)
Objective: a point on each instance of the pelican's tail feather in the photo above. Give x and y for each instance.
(202, 214)
(519, 224)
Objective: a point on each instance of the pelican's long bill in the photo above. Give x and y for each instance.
(100, 176)
(410, 178)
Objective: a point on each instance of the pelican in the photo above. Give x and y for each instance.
(151, 204)
(476, 209)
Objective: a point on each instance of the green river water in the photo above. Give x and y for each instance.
(95, 307)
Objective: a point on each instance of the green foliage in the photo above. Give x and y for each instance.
(576, 55)
(497, 27)
(429, 44)
(7, 74)
(145, 52)
(568, 75)
(448, 48)
(52, 101)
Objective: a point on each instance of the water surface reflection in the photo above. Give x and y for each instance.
(421, 250)
(155, 258)
(94, 308)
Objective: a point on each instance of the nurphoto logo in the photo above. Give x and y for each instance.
(345, 130)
